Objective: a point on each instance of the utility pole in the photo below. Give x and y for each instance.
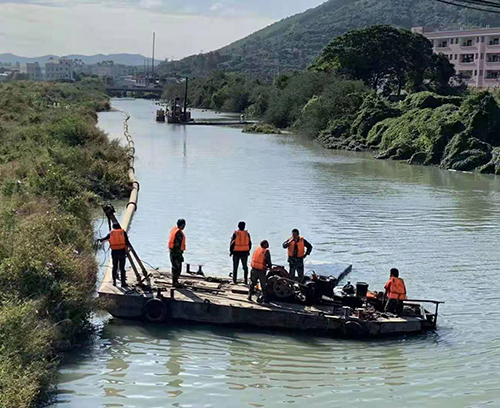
(153, 65)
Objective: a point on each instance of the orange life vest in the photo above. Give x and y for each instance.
(171, 241)
(396, 288)
(117, 239)
(301, 249)
(259, 259)
(242, 241)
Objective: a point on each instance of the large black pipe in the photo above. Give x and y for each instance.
(186, 99)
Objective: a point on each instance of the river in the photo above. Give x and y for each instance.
(439, 228)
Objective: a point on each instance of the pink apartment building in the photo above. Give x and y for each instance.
(475, 53)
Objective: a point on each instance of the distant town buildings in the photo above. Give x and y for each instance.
(474, 53)
(64, 69)
(59, 69)
(34, 71)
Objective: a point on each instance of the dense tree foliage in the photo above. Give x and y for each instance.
(54, 165)
(293, 43)
(385, 57)
(222, 92)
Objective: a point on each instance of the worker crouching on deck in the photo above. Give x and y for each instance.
(177, 246)
(261, 262)
(395, 291)
(239, 249)
(298, 249)
(119, 243)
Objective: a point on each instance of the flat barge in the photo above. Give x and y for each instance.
(333, 311)
(218, 301)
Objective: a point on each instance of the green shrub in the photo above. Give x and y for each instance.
(422, 100)
(54, 165)
(261, 128)
(374, 109)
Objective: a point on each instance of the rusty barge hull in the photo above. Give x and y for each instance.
(205, 302)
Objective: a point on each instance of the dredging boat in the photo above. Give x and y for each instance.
(317, 305)
(177, 113)
(160, 115)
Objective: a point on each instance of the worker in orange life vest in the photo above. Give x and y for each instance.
(298, 249)
(239, 249)
(261, 262)
(395, 291)
(177, 246)
(119, 243)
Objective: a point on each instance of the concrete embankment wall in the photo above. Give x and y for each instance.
(134, 194)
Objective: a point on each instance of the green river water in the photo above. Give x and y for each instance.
(438, 227)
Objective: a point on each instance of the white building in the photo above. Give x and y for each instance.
(34, 71)
(474, 53)
(59, 69)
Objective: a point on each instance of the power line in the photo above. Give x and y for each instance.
(486, 3)
(464, 5)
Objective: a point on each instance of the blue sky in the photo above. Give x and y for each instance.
(37, 27)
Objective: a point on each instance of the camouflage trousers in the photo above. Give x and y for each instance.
(176, 260)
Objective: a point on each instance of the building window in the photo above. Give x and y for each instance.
(493, 57)
(475, 72)
(456, 56)
(443, 44)
(494, 41)
(492, 74)
(467, 43)
(466, 58)
(466, 74)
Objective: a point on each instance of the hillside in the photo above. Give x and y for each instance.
(125, 59)
(292, 43)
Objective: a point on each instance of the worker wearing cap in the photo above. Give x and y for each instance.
(298, 248)
(395, 291)
(119, 243)
(261, 262)
(177, 246)
(239, 249)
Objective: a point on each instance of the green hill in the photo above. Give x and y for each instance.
(292, 43)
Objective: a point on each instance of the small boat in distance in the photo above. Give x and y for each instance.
(177, 113)
(160, 115)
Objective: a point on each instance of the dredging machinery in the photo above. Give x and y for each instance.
(317, 304)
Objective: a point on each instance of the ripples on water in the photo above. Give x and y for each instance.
(439, 228)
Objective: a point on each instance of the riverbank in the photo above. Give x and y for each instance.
(55, 166)
(455, 133)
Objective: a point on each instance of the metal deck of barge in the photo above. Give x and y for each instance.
(219, 301)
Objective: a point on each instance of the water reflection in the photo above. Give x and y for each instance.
(437, 227)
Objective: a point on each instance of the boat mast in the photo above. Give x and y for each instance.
(153, 66)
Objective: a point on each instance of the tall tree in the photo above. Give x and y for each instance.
(382, 56)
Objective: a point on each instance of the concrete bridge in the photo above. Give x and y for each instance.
(157, 91)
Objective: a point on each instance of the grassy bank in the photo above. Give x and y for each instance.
(55, 165)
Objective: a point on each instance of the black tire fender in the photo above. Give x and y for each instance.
(155, 311)
(355, 329)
